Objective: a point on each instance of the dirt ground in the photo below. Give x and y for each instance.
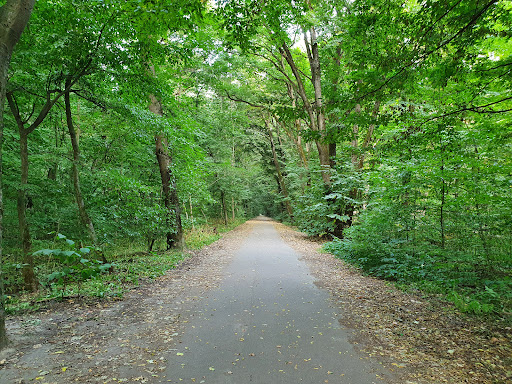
(127, 341)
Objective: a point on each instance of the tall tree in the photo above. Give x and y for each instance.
(277, 19)
(27, 127)
(75, 168)
(14, 16)
(174, 236)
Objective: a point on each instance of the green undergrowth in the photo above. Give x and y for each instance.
(200, 236)
(474, 288)
(67, 271)
(128, 272)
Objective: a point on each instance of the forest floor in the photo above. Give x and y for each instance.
(421, 339)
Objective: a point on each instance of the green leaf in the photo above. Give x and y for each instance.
(105, 267)
(342, 218)
(44, 252)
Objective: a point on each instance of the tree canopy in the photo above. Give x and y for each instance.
(383, 126)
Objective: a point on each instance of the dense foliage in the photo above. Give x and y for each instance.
(416, 99)
(382, 125)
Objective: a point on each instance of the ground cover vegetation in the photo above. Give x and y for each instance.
(132, 128)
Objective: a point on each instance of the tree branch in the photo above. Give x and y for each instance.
(476, 109)
(425, 55)
(244, 101)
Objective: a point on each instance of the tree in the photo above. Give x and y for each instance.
(84, 216)
(14, 16)
(169, 188)
(76, 66)
(276, 19)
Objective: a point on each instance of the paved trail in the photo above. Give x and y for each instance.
(268, 323)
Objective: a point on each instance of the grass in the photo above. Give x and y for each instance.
(203, 235)
(132, 265)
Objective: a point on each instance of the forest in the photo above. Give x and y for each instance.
(131, 130)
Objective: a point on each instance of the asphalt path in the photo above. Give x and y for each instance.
(269, 323)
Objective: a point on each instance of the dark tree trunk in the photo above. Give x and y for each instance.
(29, 277)
(82, 211)
(14, 16)
(169, 187)
(280, 178)
(151, 242)
(224, 209)
(170, 194)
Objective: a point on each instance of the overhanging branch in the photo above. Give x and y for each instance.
(233, 98)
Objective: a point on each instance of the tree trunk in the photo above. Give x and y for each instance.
(29, 277)
(22, 201)
(14, 16)
(170, 195)
(322, 144)
(280, 179)
(315, 114)
(82, 211)
(224, 209)
(171, 199)
(151, 242)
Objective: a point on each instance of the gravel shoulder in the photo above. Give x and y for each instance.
(423, 338)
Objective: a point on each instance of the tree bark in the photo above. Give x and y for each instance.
(170, 194)
(14, 16)
(28, 274)
(169, 187)
(82, 211)
(280, 178)
(223, 205)
(314, 63)
(315, 113)
(29, 277)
